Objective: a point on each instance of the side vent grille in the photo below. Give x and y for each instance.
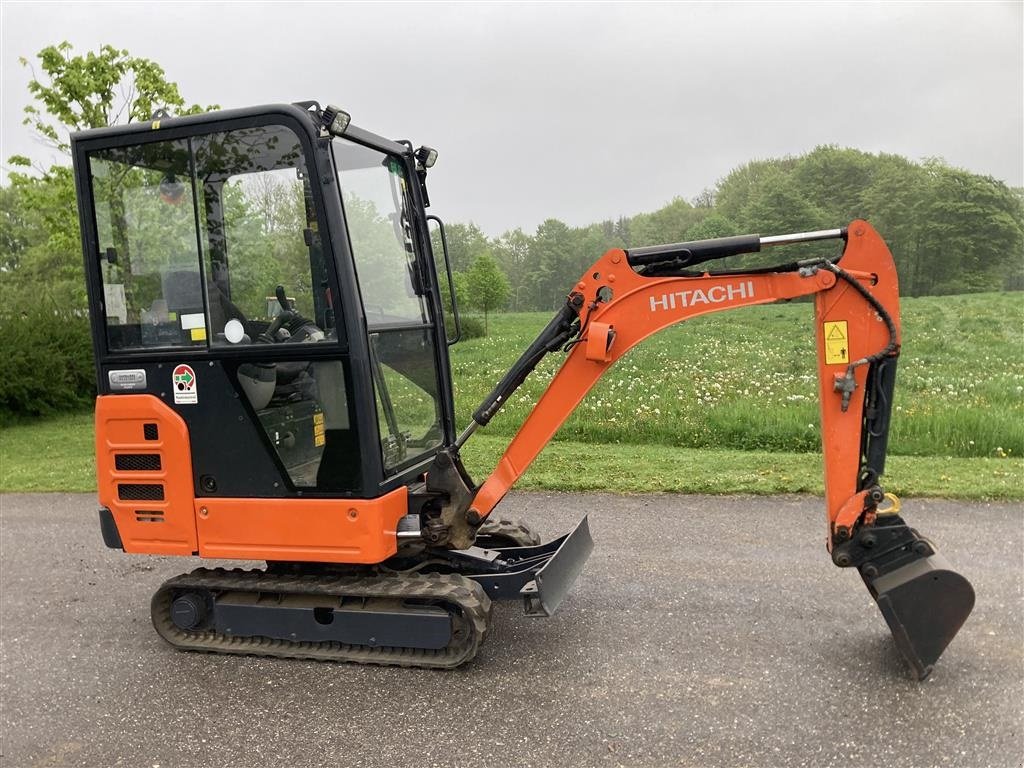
(140, 492)
(149, 516)
(150, 432)
(137, 462)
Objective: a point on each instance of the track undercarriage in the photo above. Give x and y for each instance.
(424, 608)
(420, 620)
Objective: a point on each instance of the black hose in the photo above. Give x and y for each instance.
(846, 384)
(892, 346)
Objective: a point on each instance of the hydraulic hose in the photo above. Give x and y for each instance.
(847, 384)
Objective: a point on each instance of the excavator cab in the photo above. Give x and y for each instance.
(274, 285)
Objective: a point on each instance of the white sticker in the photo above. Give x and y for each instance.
(234, 331)
(183, 381)
(113, 298)
(193, 320)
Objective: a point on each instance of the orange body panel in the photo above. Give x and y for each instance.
(641, 306)
(309, 530)
(178, 523)
(164, 526)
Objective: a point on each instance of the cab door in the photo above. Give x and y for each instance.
(407, 355)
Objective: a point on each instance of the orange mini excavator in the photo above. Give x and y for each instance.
(274, 385)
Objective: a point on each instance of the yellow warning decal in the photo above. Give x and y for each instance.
(198, 334)
(837, 343)
(318, 429)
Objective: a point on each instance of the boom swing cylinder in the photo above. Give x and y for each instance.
(627, 296)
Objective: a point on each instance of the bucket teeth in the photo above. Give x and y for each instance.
(924, 603)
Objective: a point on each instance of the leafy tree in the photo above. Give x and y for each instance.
(742, 185)
(706, 199)
(892, 203)
(780, 206)
(588, 244)
(666, 225)
(548, 271)
(833, 179)
(975, 231)
(42, 255)
(461, 289)
(101, 88)
(512, 250)
(621, 231)
(487, 285)
(1015, 264)
(712, 226)
(465, 243)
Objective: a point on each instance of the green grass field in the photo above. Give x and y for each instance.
(57, 455)
(724, 404)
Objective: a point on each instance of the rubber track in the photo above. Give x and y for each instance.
(464, 599)
(510, 528)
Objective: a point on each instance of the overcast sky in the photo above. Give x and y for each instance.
(582, 112)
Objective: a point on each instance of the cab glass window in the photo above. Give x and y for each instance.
(379, 217)
(378, 214)
(261, 237)
(148, 250)
(198, 239)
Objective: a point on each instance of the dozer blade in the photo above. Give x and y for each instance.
(924, 603)
(552, 582)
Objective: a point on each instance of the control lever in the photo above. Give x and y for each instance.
(286, 314)
(282, 299)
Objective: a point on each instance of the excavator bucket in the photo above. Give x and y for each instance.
(924, 602)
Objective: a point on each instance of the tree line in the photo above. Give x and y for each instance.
(950, 231)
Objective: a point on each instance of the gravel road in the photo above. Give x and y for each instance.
(704, 631)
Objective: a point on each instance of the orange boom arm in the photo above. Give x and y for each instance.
(627, 296)
(621, 308)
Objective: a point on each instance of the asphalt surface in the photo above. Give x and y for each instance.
(704, 631)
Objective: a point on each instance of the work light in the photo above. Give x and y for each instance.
(336, 120)
(426, 156)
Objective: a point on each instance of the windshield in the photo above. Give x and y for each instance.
(378, 215)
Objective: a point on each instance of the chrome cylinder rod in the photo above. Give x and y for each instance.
(803, 237)
(461, 441)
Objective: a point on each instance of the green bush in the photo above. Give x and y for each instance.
(472, 327)
(48, 364)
